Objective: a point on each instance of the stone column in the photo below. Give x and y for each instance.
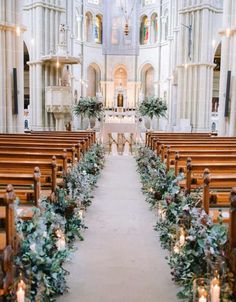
(195, 73)
(11, 56)
(43, 21)
(227, 125)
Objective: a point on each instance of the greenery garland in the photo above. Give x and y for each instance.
(205, 240)
(47, 240)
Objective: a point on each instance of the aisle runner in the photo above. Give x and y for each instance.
(121, 259)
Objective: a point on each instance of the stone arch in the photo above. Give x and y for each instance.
(120, 76)
(93, 78)
(154, 28)
(144, 30)
(216, 86)
(147, 75)
(88, 27)
(26, 57)
(98, 32)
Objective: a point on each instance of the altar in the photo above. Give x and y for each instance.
(120, 129)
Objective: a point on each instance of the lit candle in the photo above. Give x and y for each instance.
(182, 240)
(61, 244)
(20, 295)
(202, 294)
(215, 290)
(81, 213)
(202, 299)
(176, 249)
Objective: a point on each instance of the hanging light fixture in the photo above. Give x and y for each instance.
(127, 15)
(126, 30)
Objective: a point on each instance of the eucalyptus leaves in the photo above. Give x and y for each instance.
(47, 240)
(153, 107)
(88, 107)
(177, 211)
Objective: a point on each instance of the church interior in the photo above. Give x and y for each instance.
(117, 150)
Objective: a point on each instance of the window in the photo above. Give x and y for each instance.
(154, 28)
(144, 30)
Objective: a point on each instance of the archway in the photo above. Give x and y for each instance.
(89, 27)
(120, 84)
(120, 77)
(93, 78)
(98, 30)
(216, 88)
(26, 87)
(154, 28)
(147, 80)
(144, 30)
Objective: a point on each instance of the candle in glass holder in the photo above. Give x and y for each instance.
(81, 213)
(215, 290)
(202, 294)
(176, 249)
(182, 240)
(61, 244)
(20, 294)
(202, 299)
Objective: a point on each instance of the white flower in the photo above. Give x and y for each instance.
(61, 244)
(212, 250)
(33, 247)
(190, 238)
(45, 234)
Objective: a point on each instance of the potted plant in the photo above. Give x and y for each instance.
(89, 107)
(153, 107)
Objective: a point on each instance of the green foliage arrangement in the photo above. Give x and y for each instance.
(153, 107)
(204, 239)
(41, 254)
(88, 107)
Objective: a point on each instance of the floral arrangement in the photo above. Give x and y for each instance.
(153, 107)
(47, 240)
(203, 240)
(88, 107)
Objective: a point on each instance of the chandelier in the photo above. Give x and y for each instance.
(127, 14)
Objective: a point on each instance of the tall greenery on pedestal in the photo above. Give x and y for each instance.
(153, 107)
(89, 107)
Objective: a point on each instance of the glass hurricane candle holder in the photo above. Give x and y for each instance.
(181, 235)
(215, 289)
(217, 267)
(201, 290)
(161, 213)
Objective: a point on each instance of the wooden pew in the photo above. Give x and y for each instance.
(180, 160)
(28, 181)
(232, 234)
(69, 153)
(172, 156)
(151, 136)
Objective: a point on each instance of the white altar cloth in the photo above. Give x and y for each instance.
(119, 128)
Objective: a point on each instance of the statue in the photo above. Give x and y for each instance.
(62, 43)
(62, 34)
(120, 100)
(65, 81)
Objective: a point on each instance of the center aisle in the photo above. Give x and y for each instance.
(121, 259)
